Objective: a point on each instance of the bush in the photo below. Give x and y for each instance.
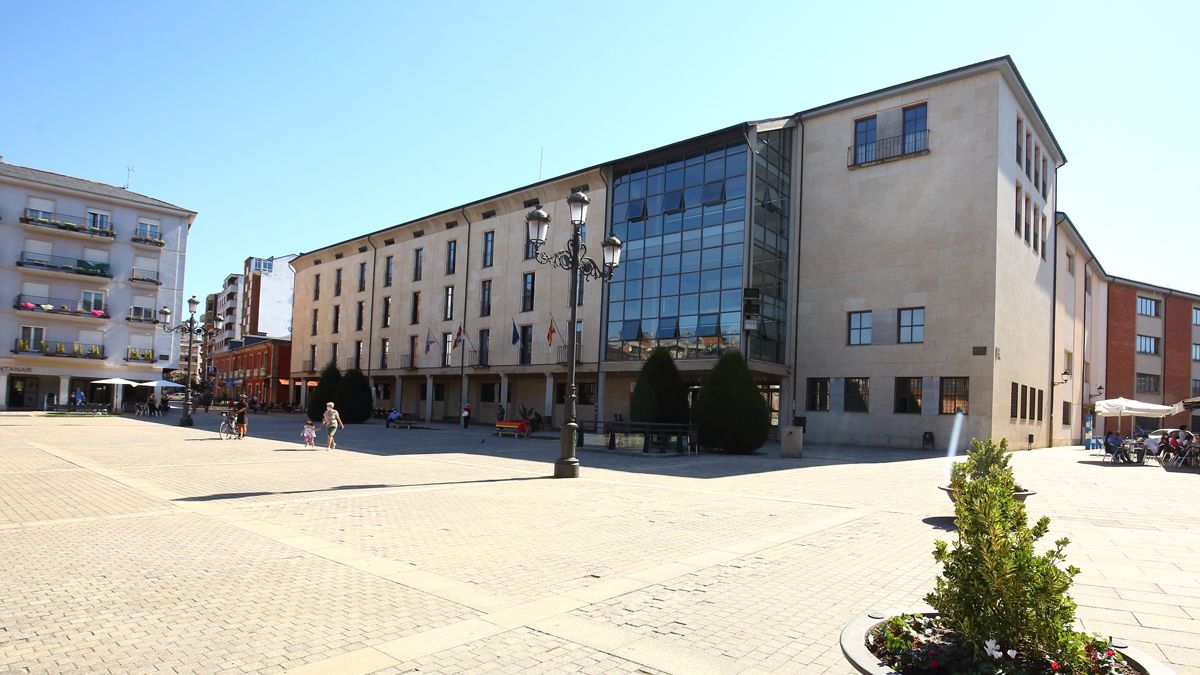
(659, 395)
(353, 397)
(324, 392)
(730, 411)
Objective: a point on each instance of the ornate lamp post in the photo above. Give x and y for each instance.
(192, 328)
(573, 259)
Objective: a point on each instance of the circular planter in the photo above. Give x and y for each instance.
(854, 647)
(1020, 495)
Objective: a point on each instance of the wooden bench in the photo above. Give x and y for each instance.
(519, 428)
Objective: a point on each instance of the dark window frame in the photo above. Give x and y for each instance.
(448, 303)
(911, 325)
(418, 263)
(485, 298)
(451, 256)
(489, 248)
(528, 291)
(856, 398)
(858, 332)
(954, 394)
(908, 399)
(816, 397)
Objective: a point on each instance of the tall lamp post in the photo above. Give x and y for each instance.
(192, 328)
(573, 259)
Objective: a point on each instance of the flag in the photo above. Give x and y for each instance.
(458, 338)
(516, 335)
(429, 341)
(550, 332)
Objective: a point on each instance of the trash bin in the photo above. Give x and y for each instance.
(927, 440)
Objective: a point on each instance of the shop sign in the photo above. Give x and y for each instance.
(15, 369)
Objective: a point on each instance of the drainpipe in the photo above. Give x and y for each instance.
(794, 329)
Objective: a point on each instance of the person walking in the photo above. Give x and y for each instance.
(466, 416)
(240, 413)
(78, 397)
(309, 434)
(332, 421)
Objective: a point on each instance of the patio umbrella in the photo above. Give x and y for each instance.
(1120, 407)
(116, 380)
(158, 383)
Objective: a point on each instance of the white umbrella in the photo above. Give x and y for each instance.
(116, 380)
(158, 383)
(1120, 407)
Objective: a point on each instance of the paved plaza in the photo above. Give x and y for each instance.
(133, 545)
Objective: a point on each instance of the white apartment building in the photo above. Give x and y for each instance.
(266, 303)
(89, 266)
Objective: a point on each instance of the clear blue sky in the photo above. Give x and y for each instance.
(292, 125)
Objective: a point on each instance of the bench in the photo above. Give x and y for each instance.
(515, 428)
(403, 422)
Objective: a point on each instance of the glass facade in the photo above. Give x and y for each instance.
(682, 216)
(769, 229)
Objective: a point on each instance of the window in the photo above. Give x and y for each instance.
(908, 395)
(1147, 306)
(358, 354)
(530, 251)
(1037, 166)
(42, 209)
(1012, 402)
(32, 338)
(388, 263)
(1196, 316)
(448, 304)
(587, 393)
(485, 298)
(1028, 220)
(314, 322)
(316, 287)
(1045, 233)
(1045, 175)
(1070, 263)
(1195, 352)
(100, 219)
(362, 277)
(1040, 392)
(489, 247)
(485, 340)
(857, 395)
(1147, 382)
(1066, 413)
(451, 256)
(912, 325)
(384, 345)
(859, 328)
(415, 313)
(954, 395)
(864, 140)
(1195, 390)
(1147, 344)
(447, 348)
(333, 353)
(1024, 402)
(914, 128)
(487, 392)
(148, 228)
(312, 358)
(410, 360)
(1036, 233)
(387, 312)
(91, 301)
(1028, 153)
(418, 262)
(1020, 150)
(526, 354)
(1018, 209)
(337, 282)
(817, 398)
(337, 318)
(527, 291)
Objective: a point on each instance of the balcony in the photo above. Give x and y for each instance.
(149, 242)
(480, 358)
(564, 351)
(142, 315)
(59, 307)
(408, 361)
(57, 348)
(139, 355)
(308, 367)
(60, 265)
(888, 149)
(145, 276)
(70, 225)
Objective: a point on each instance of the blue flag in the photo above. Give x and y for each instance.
(516, 336)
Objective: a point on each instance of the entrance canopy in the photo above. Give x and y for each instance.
(1122, 407)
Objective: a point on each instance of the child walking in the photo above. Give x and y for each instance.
(309, 434)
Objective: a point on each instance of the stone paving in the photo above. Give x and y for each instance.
(133, 545)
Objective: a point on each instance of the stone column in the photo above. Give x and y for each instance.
(291, 389)
(64, 389)
(117, 397)
(304, 393)
(397, 390)
(428, 398)
(3, 391)
(549, 408)
(508, 414)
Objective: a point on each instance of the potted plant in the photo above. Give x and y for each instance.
(982, 459)
(998, 605)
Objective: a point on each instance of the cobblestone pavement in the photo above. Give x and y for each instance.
(133, 545)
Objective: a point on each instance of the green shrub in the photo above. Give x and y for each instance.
(353, 397)
(982, 460)
(730, 412)
(659, 395)
(324, 392)
(532, 417)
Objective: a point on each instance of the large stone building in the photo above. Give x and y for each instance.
(89, 266)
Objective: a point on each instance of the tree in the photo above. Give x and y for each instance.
(659, 395)
(324, 392)
(730, 411)
(353, 397)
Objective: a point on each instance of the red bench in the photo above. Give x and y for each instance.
(519, 428)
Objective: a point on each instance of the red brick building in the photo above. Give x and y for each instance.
(257, 369)
(1153, 348)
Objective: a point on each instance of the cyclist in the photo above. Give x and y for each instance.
(240, 411)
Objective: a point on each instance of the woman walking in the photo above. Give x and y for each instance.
(332, 421)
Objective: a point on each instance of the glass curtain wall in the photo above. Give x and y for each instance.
(682, 217)
(769, 242)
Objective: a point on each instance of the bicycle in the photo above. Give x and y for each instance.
(228, 426)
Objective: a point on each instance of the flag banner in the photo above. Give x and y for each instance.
(516, 335)
(429, 341)
(550, 332)
(458, 338)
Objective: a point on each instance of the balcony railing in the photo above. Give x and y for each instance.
(76, 350)
(64, 264)
(563, 354)
(68, 223)
(141, 355)
(308, 367)
(480, 358)
(33, 303)
(142, 315)
(408, 361)
(884, 149)
(147, 276)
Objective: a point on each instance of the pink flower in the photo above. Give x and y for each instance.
(1109, 653)
(1054, 665)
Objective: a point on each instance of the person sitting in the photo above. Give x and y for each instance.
(393, 417)
(1114, 446)
(1151, 445)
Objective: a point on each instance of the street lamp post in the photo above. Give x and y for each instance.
(573, 259)
(192, 328)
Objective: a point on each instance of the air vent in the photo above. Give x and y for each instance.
(418, 233)
(337, 256)
(489, 214)
(362, 249)
(978, 351)
(317, 261)
(532, 203)
(451, 225)
(388, 242)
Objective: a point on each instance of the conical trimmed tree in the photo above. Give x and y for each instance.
(324, 392)
(353, 397)
(730, 411)
(659, 395)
